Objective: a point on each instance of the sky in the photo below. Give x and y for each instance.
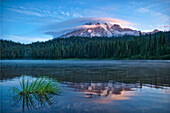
(27, 21)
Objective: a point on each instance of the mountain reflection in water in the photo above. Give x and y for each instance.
(91, 86)
(106, 92)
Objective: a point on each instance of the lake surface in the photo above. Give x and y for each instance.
(91, 86)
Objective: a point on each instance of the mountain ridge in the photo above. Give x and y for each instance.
(98, 29)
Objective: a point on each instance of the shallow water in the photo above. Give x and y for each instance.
(129, 86)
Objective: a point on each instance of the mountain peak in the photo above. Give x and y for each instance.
(116, 25)
(98, 23)
(88, 23)
(95, 23)
(155, 30)
(101, 29)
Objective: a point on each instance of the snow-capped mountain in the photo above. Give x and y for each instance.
(91, 29)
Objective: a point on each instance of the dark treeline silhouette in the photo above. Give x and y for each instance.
(156, 46)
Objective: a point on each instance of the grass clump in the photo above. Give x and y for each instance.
(34, 92)
(41, 86)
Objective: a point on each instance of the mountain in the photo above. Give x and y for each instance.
(101, 30)
(91, 48)
(91, 29)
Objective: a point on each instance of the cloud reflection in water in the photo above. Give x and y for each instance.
(105, 92)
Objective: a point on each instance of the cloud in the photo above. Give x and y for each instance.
(23, 11)
(160, 17)
(32, 15)
(65, 13)
(166, 26)
(31, 11)
(143, 10)
(80, 21)
(77, 15)
(163, 17)
(77, 23)
(104, 11)
(24, 39)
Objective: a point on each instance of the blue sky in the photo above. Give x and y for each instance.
(27, 21)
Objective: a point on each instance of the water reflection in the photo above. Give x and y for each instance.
(146, 72)
(92, 86)
(30, 101)
(124, 95)
(109, 91)
(105, 92)
(102, 89)
(33, 92)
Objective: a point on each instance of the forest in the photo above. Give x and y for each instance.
(155, 46)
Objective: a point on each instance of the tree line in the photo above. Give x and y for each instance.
(154, 46)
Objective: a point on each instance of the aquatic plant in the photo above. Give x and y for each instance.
(41, 86)
(38, 92)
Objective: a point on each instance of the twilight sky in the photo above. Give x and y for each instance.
(27, 21)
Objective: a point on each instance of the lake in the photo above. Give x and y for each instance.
(90, 86)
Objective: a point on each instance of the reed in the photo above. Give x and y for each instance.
(41, 86)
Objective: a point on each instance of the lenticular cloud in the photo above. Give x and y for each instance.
(73, 24)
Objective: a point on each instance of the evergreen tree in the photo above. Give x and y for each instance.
(142, 46)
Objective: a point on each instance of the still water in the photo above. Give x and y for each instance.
(94, 86)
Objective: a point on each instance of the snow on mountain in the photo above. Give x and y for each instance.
(101, 29)
(98, 29)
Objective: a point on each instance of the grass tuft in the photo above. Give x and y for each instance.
(39, 86)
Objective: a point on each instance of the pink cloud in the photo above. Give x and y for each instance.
(72, 24)
(166, 26)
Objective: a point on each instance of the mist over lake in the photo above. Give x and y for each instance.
(84, 56)
(92, 85)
